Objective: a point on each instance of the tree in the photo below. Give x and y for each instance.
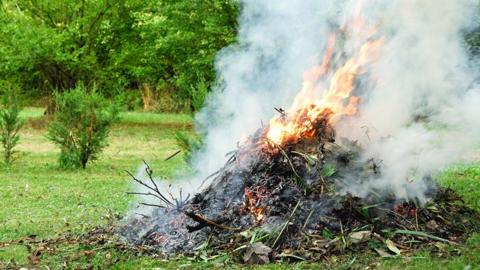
(164, 46)
(81, 125)
(177, 45)
(10, 125)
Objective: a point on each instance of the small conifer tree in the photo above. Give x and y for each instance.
(81, 125)
(10, 124)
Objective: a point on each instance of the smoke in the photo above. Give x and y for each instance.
(419, 104)
(421, 113)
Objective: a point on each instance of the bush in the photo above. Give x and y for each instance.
(81, 125)
(129, 99)
(10, 125)
(199, 93)
(188, 143)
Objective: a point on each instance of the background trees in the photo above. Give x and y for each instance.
(155, 54)
(126, 48)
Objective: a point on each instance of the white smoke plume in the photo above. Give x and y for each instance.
(422, 111)
(419, 109)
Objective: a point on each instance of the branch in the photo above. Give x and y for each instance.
(149, 172)
(173, 155)
(160, 195)
(206, 222)
(154, 205)
(144, 193)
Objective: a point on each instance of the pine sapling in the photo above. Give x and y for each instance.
(81, 125)
(10, 125)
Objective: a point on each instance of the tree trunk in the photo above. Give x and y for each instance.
(147, 97)
(50, 108)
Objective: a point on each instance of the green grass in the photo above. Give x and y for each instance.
(32, 112)
(155, 118)
(38, 198)
(466, 180)
(125, 117)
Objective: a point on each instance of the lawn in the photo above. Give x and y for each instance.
(39, 199)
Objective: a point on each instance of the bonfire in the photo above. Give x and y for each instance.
(280, 196)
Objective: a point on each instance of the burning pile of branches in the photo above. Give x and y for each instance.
(282, 193)
(275, 201)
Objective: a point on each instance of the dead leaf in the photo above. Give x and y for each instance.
(321, 243)
(360, 236)
(392, 247)
(432, 225)
(246, 234)
(318, 250)
(40, 248)
(291, 255)
(383, 253)
(33, 259)
(89, 253)
(257, 253)
(441, 246)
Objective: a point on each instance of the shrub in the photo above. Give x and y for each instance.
(166, 102)
(10, 125)
(188, 143)
(81, 125)
(199, 93)
(129, 99)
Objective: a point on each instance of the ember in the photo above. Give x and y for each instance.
(253, 201)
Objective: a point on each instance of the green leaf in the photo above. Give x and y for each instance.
(329, 170)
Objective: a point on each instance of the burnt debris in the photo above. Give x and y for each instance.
(286, 202)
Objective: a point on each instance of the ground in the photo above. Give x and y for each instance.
(38, 198)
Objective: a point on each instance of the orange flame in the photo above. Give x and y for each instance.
(252, 201)
(336, 101)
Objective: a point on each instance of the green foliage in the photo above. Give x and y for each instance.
(329, 170)
(10, 125)
(188, 143)
(117, 45)
(81, 125)
(130, 100)
(166, 101)
(199, 94)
